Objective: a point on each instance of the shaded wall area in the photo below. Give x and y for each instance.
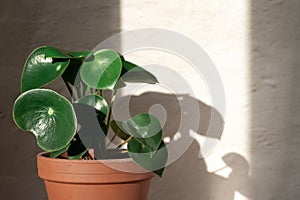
(275, 99)
(26, 25)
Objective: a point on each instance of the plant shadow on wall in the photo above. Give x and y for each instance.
(188, 177)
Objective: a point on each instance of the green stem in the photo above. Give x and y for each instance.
(110, 109)
(112, 139)
(68, 87)
(109, 116)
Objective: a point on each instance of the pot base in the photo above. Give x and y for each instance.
(124, 191)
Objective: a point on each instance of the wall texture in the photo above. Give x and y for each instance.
(255, 46)
(275, 98)
(26, 25)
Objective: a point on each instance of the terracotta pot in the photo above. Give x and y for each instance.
(93, 179)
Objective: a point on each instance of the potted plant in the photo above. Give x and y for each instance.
(77, 163)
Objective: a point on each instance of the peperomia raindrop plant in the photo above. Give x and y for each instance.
(54, 120)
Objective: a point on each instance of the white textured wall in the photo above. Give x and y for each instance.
(254, 45)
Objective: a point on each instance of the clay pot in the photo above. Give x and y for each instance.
(93, 179)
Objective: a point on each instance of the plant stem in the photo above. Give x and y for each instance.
(112, 139)
(68, 87)
(128, 139)
(110, 109)
(87, 90)
(99, 92)
(109, 116)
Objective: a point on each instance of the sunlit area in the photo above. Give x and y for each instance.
(222, 29)
(220, 79)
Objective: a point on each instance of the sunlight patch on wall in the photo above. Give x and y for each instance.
(221, 28)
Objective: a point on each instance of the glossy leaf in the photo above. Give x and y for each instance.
(136, 74)
(79, 54)
(145, 128)
(76, 58)
(98, 102)
(40, 70)
(101, 70)
(78, 156)
(151, 160)
(59, 53)
(70, 74)
(48, 115)
(57, 153)
(55, 53)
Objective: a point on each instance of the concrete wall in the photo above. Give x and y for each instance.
(275, 118)
(26, 25)
(255, 46)
(222, 28)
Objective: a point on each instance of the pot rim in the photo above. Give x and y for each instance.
(90, 171)
(41, 155)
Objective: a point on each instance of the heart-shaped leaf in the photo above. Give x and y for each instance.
(40, 70)
(102, 69)
(145, 128)
(151, 160)
(48, 115)
(136, 74)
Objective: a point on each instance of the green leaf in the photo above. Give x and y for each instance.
(72, 79)
(98, 102)
(136, 74)
(70, 74)
(40, 70)
(145, 128)
(76, 58)
(151, 160)
(101, 70)
(78, 156)
(118, 131)
(120, 84)
(59, 53)
(79, 54)
(55, 53)
(91, 132)
(48, 115)
(77, 149)
(55, 154)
